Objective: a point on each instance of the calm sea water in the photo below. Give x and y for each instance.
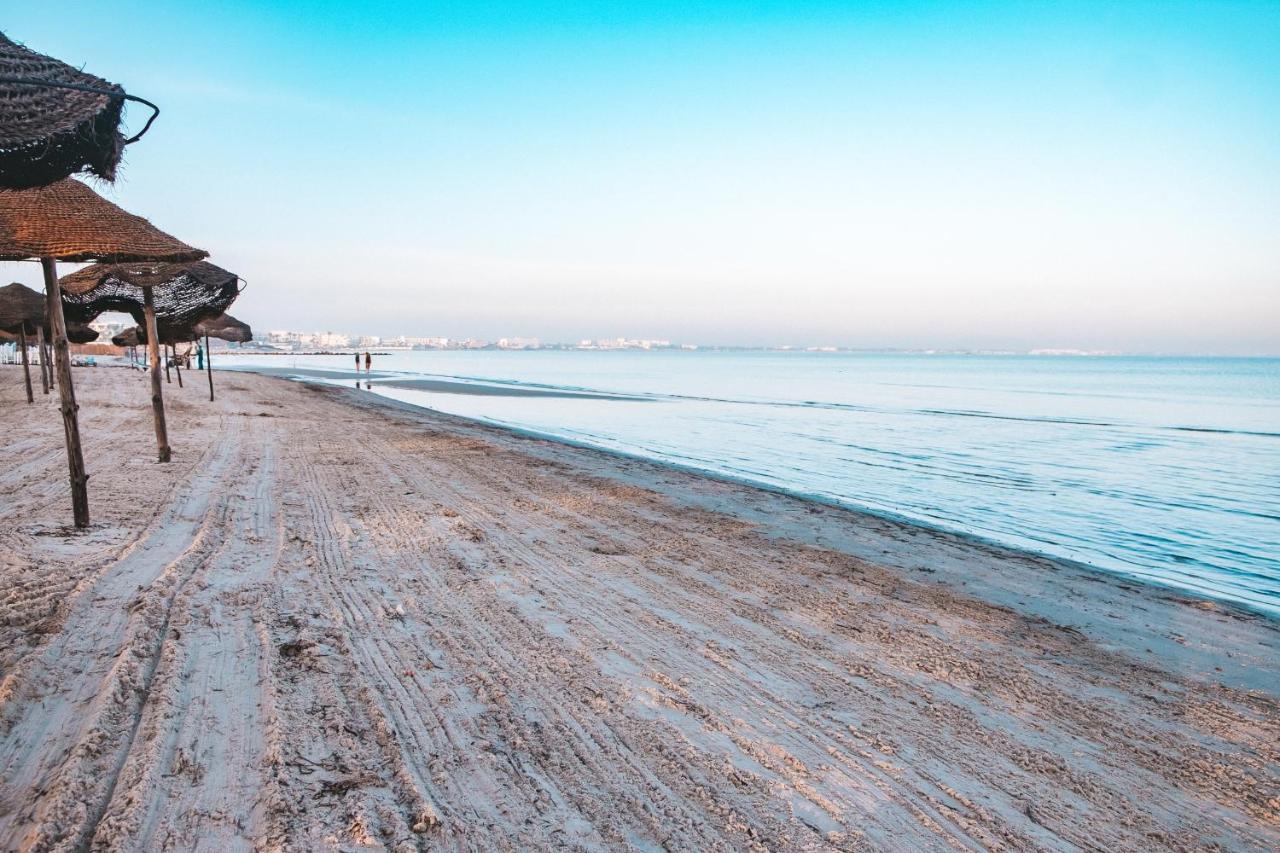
(1161, 468)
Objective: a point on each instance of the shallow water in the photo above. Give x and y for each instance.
(1162, 468)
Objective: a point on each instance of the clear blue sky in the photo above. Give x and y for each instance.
(1093, 175)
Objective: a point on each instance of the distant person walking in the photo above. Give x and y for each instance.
(357, 361)
(199, 357)
(368, 362)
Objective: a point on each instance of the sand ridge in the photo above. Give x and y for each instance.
(333, 623)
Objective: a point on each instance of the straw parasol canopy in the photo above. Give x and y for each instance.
(131, 337)
(225, 327)
(136, 336)
(56, 120)
(67, 221)
(183, 294)
(21, 307)
(81, 333)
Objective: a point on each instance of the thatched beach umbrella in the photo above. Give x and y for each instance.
(67, 221)
(224, 327)
(21, 312)
(227, 328)
(136, 336)
(56, 120)
(20, 306)
(80, 333)
(182, 295)
(130, 337)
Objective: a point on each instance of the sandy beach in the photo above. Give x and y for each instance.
(337, 622)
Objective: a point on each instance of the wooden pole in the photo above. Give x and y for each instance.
(153, 355)
(26, 363)
(177, 364)
(70, 418)
(208, 363)
(44, 359)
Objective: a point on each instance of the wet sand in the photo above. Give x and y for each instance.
(441, 385)
(335, 621)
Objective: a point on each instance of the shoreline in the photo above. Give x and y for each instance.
(1156, 585)
(339, 620)
(1039, 568)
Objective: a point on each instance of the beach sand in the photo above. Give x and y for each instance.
(336, 622)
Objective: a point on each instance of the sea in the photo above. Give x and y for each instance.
(1159, 468)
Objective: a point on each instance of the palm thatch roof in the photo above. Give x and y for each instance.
(78, 333)
(24, 308)
(224, 327)
(67, 221)
(131, 337)
(161, 276)
(56, 120)
(183, 294)
(21, 307)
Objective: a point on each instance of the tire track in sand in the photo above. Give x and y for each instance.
(199, 755)
(71, 720)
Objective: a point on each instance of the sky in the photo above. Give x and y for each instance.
(916, 175)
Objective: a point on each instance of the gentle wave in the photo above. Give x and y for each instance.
(821, 404)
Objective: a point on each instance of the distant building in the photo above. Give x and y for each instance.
(624, 343)
(518, 343)
(307, 340)
(330, 340)
(417, 342)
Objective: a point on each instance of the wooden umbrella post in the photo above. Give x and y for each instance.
(177, 364)
(26, 363)
(44, 359)
(153, 355)
(208, 364)
(70, 419)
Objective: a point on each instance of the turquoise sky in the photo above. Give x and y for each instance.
(1092, 175)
